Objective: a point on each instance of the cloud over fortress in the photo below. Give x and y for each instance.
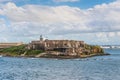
(102, 22)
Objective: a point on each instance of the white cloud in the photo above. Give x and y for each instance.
(99, 35)
(118, 33)
(65, 0)
(31, 20)
(4, 0)
(111, 34)
(68, 18)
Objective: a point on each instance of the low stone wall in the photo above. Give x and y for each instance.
(6, 45)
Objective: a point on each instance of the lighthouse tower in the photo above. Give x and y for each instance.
(41, 38)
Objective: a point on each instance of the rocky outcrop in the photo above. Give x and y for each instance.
(65, 48)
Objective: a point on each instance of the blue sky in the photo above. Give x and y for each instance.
(83, 4)
(94, 21)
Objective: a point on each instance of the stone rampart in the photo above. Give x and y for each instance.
(6, 45)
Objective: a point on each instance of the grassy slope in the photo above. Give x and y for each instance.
(19, 50)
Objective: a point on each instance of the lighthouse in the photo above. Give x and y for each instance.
(41, 38)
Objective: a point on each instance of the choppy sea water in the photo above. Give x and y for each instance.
(94, 68)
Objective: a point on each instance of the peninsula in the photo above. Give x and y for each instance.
(53, 49)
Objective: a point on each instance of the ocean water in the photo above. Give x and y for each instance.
(94, 68)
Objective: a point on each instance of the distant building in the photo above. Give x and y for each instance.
(110, 46)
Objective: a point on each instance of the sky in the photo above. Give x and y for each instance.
(93, 21)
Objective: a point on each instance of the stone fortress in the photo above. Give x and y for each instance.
(52, 49)
(66, 47)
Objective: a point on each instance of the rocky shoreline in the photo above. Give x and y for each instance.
(71, 57)
(54, 56)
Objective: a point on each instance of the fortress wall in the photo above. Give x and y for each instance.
(5, 45)
(63, 43)
(54, 44)
(14, 44)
